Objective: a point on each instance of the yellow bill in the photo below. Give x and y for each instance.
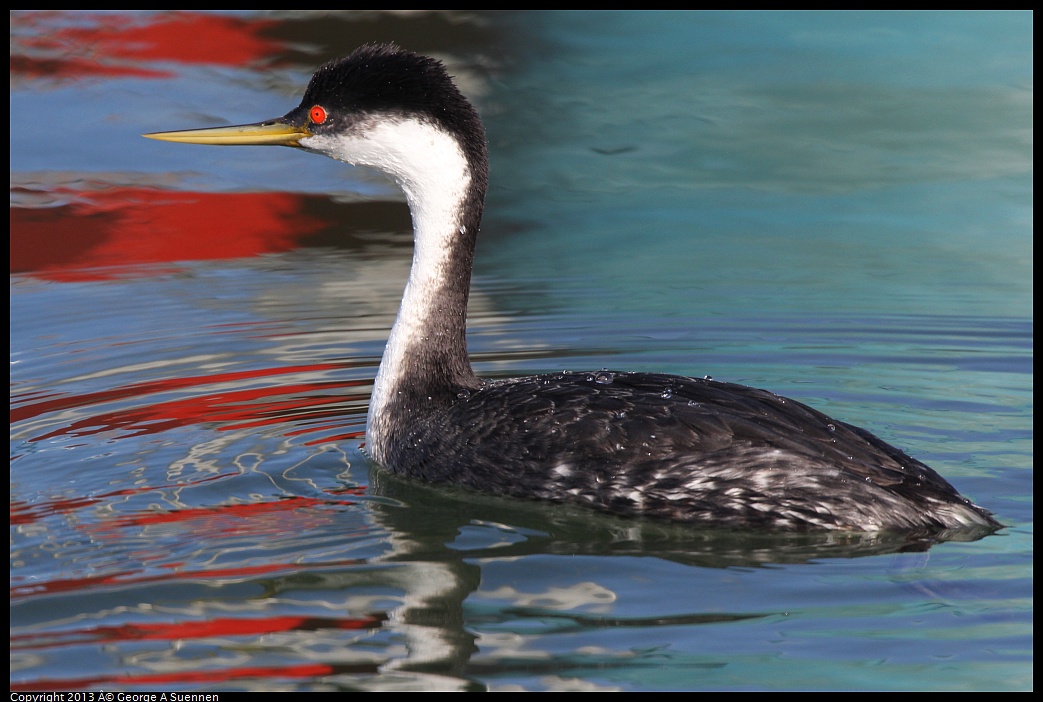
(273, 133)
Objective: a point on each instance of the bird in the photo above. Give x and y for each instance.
(646, 445)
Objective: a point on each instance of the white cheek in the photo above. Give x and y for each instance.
(426, 162)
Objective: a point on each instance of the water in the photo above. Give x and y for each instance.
(837, 207)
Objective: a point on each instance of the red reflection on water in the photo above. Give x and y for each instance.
(219, 520)
(106, 230)
(193, 630)
(195, 409)
(57, 403)
(234, 409)
(238, 408)
(62, 44)
(23, 513)
(123, 579)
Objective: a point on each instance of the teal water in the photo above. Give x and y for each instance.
(837, 207)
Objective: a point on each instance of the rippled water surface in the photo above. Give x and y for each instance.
(837, 207)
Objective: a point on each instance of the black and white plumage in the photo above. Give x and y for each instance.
(685, 449)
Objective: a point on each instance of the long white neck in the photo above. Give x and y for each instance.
(426, 353)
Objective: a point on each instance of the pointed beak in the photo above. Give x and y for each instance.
(271, 133)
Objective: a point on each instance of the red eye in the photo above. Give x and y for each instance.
(317, 114)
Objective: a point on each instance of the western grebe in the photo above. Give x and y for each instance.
(686, 449)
